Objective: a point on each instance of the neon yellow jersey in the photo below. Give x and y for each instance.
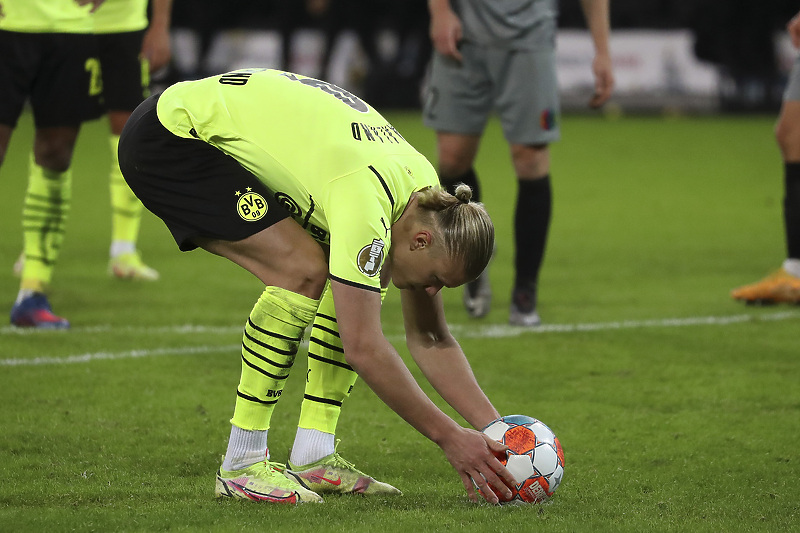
(116, 16)
(45, 16)
(342, 171)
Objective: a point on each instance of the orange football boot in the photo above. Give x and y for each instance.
(778, 287)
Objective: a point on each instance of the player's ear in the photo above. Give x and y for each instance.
(422, 239)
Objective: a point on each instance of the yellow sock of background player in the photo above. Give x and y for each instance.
(126, 217)
(271, 338)
(126, 209)
(44, 218)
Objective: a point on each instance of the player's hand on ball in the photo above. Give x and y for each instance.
(474, 457)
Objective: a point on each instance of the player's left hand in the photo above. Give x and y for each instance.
(603, 80)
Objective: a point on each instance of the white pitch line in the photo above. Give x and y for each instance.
(503, 330)
(108, 328)
(105, 356)
(459, 330)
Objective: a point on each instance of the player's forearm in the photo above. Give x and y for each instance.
(596, 13)
(437, 7)
(384, 372)
(448, 371)
(161, 14)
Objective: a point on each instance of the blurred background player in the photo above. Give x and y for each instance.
(128, 53)
(46, 56)
(501, 55)
(784, 284)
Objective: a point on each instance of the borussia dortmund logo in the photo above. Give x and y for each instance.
(250, 205)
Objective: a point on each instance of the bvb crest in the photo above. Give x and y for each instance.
(251, 206)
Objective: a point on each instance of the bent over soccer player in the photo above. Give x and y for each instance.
(316, 194)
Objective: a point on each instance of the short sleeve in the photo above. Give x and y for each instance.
(358, 210)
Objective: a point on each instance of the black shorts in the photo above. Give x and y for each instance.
(56, 71)
(197, 190)
(126, 78)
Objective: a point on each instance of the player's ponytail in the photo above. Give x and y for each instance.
(467, 230)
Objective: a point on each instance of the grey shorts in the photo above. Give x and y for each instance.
(792, 91)
(519, 85)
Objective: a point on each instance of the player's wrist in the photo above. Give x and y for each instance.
(442, 433)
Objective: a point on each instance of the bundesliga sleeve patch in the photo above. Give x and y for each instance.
(370, 258)
(250, 205)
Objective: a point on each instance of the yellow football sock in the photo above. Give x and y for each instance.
(126, 208)
(44, 217)
(330, 379)
(271, 338)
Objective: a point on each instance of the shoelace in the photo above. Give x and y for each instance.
(340, 461)
(280, 467)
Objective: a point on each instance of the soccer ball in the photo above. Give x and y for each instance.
(535, 457)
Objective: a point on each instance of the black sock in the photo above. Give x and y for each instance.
(791, 209)
(468, 178)
(531, 225)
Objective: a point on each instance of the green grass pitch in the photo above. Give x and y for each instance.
(678, 409)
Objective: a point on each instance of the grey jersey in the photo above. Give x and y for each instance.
(513, 24)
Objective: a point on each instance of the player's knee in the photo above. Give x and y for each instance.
(783, 135)
(453, 164)
(453, 171)
(5, 137)
(311, 274)
(787, 133)
(530, 161)
(305, 268)
(53, 157)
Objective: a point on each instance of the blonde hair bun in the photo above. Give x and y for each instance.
(463, 192)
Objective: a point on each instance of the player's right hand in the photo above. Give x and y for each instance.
(473, 455)
(95, 4)
(446, 32)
